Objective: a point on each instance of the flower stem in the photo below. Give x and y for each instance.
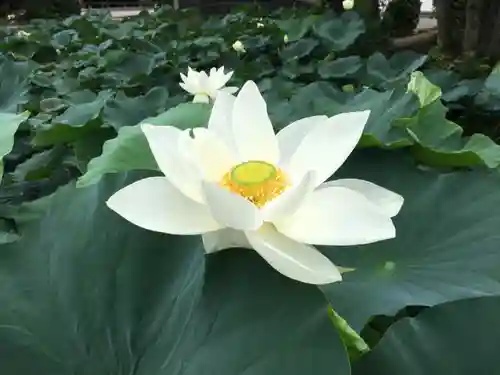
(354, 343)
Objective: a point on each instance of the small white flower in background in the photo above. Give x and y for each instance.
(260, 24)
(239, 184)
(348, 4)
(23, 34)
(239, 47)
(10, 17)
(285, 38)
(205, 87)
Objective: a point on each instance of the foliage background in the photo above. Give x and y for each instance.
(84, 292)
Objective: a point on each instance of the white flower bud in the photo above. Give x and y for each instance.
(239, 47)
(23, 34)
(348, 4)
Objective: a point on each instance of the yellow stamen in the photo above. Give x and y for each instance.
(257, 181)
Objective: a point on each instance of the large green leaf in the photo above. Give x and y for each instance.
(488, 97)
(13, 84)
(125, 65)
(64, 38)
(50, 105)
(459, 338)
(90, 146)
(426, 91)
(296, 28)
(37, 166)
(125, 111)
(440, 141)
(388, 73)
(446, 246)
(454, 88)
(299, 49)
(20, 216)
(465, 88)
(320, 99)
(81, 118)
(85, 292)
(339, 68)
(386, 108)
(59, 134)
(492, 83)
(9, 123)
(79, 114)
(292, 69)
(130, 151)
(340, 32)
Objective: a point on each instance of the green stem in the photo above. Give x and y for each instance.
(354, 343)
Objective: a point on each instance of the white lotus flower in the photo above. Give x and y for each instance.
(205, 87)
(260, 25)
(23, 34)
(239, 47)
(240, 185)
(348, 4)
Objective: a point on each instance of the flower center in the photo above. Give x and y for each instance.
(255, 180)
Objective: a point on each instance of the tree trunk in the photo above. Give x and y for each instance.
(494, 43)
(371, 8)
(473, 12)
(48, 8)
(421, 42)
(336, 5)
(446, 22)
